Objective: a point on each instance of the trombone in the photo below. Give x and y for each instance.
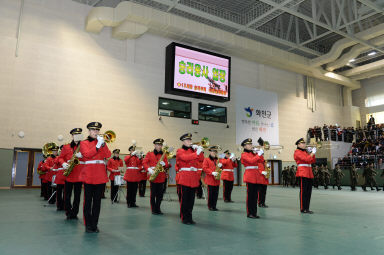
(203, 143)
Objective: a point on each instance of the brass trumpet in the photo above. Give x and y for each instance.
(109, 136)
(203, 143)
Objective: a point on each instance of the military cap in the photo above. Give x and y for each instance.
(186, 137)
(76, 131)
(94, 125)
(158, 141)
(246, 141)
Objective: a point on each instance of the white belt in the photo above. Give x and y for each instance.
(115, 171)
(132, 167)
(188, 169)
(306, 165)
(251, 167)
(58, 169)
(94, 162)
(143, 171)
(228, 170)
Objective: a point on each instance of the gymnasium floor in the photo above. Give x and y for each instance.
(344, 222)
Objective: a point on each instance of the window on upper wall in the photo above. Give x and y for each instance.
(212, 113)
(174, 108)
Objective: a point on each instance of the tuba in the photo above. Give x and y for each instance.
(47, 150)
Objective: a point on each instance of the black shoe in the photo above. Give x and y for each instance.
(192, 222)
(186, 222)
(302, 211)
(339, 188)
(134, 205)
(160, 213)
(231, 201)
(96, 230)
(73, 217)
(89, 230)
(211, 209)
(226, 201)
(129, 206)
(264, 206)
(308, 211)
(155, 213)
(253, 216)
(60, 209)
(215, 209)
(378, 189)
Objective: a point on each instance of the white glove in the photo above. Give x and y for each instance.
(268, 165)
(199, 150)
(78, 155)
(65, 165)
(264, 172)
(133, 153)
(232, 156)
(150, 170)
(100, 141)
(255, 150)
(162, 163)
(220, 165)
(215, 174)
(195, 146)
(309, 149)
(314, 150)
(260, 152)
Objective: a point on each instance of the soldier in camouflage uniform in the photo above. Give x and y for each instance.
(292, 175)
(337, 175)
(354, 177)
(326, 176)
(369, 174)
(316, 173)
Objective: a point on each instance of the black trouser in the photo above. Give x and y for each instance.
(92, 202)
(45, 190)
(353, 183)
(132, 192)
(72, 209)
(187, 200)
(213, 194)
(165, 185)
(60, 196)
(178, 191)
(305, 193)
(262, 194)
(41, 188)
(199, 190)
(114, 191)
(252, 191)
(142, 188)
(227, 190)
(156, 196)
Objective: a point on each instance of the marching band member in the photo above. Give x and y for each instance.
(59, 181)
(143, 181)
(41, 177)
(113, 167)
(304, 159)
(48, 167)
(229, 164)
(186, 162)
(133, 175)
(263, 183)
(157, 186)
(93, 174)
(72, 181)
(209, 168)
(250, 158)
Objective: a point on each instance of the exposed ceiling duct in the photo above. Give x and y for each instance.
(353, 53)
(342, 44)
(370, 74)
(178, 28)
(363, 69)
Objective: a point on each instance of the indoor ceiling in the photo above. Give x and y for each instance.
(305, 27)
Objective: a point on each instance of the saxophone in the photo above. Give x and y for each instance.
(268, 169)
(218, 169)
(74, 161)
(159, 168)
